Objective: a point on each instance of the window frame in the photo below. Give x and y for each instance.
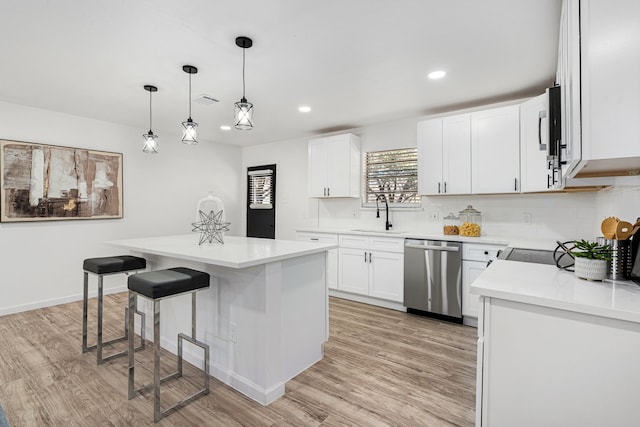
(365, 173)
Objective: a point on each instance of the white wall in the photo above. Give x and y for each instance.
(565, 216)
(621, 200)
(41, 262)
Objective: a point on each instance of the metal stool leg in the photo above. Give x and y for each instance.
(158, 412)
(99, 360)
(85, 298)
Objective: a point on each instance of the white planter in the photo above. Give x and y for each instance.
(591, 269)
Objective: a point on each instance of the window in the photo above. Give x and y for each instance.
(260, 185)
(392, 174)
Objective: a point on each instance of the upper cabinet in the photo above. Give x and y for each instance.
(495, 150)
(471, 153)
(334, 166)
(599, 65)
(444, 155)
(534, 135)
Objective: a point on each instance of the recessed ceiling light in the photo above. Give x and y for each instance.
(304, 109)
(225, 127)
(437, 74)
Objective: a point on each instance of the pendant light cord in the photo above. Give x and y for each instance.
(189, 95)
(243, 50)
(150, 126)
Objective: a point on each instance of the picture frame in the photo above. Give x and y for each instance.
(41, 182)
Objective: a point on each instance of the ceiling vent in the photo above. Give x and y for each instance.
(205, 99)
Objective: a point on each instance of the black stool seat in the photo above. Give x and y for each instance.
(114, 264)
(164, 283)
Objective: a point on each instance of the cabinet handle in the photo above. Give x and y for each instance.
(438, 188)
(365, 257)
(445, 187)
(328, 191)
(369, 257)
(314, 238)
(486, 252)
(515, 184)
(548, 181)
(541, 115)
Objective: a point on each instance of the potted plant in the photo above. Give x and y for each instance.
(591, 259)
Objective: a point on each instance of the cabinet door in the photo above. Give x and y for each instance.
(430, 157)
(534, 135)
(353, 270)
(610, 79)
(495, 150)
(339, 173)
(456, 154)
(386, 275)
(318, 160)
(470, 272)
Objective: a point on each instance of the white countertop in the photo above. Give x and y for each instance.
(546, 285)
(418, 234)
(236, 252)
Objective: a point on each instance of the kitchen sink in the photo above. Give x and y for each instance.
(369, 230)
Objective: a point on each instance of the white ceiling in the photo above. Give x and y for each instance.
(355, 62)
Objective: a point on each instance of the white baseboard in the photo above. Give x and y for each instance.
(367, 300)
(56, 301)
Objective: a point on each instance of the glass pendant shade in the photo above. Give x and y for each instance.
(189, 132)
(243, 114)
(150, 143)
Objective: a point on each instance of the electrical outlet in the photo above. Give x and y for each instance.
(233, 332)
(526, 218)
(435, 216)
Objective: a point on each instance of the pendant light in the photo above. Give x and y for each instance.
(243, 109)
(150, 140)
(190, 128)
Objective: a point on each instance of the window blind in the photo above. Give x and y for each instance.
(392, 174)
(260, 189)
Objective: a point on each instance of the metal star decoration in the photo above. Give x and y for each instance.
(211, 227)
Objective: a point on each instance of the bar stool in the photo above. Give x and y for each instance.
(102, 267)
(156, 286)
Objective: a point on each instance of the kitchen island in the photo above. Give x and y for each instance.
(556, 350)
(264, 316)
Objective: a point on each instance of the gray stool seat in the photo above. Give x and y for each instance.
(115, 264)
(101, 267)
(169, 282)
(158, 285)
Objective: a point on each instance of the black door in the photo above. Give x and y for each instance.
(261, 201)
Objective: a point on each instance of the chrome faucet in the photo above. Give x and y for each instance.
(387, 224)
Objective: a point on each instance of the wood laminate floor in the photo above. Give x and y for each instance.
(381, 367)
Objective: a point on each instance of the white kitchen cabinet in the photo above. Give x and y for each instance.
(610, 66)
(475, 257)
(444, 155)
(541, 366)
(371, 266)
(334, 166)
(534, 135)
(332, 254)
(495, 150)
(598, 68)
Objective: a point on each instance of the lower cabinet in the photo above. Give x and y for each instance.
(475, 257)
(365, 269)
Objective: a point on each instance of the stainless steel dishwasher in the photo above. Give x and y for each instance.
(433, 278)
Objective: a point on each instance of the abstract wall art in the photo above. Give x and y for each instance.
(47, 182)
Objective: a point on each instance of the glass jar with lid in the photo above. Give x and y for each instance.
(470, 222)
(450, 225)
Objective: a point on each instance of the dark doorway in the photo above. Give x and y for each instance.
(261, 201)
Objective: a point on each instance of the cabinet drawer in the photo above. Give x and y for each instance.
(353, 241)
(480, 252)
(317, 237)
(389, 244)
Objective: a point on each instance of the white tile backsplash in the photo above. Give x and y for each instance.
(565, 216)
